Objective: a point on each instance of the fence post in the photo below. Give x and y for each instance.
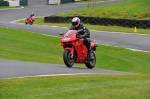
(106, 2)
(91, 3)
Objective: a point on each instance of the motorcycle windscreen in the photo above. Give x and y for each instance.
(71, 34)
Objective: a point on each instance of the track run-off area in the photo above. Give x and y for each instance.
(13, 68)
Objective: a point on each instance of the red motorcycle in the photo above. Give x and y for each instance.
(75, 51)
(30, 20)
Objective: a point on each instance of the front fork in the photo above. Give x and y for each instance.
(71, 51)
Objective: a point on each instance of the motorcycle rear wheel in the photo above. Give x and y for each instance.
(67, 58)
(92, 62)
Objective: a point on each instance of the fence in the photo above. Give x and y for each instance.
(66, 1)
(4, 3)
(23, 2)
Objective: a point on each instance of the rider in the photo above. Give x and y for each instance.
(31, 15)
(85, 34)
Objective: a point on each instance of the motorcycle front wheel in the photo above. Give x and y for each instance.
(26, 22)
(92, 62)
(68, 60)
(31, 22)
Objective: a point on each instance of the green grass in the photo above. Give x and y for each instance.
(40, 21)
(29, 46)
(131, 9)
(90, 1)
(5, 7)
(77, 87)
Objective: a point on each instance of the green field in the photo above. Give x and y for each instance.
(130, 9)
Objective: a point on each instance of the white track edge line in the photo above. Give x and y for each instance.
(69, 74)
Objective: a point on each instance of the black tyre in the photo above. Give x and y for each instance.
(31, 22)
(26, 23)
(92, 62)
(68, 60)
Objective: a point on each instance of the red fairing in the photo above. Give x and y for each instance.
(30, 20)
(70, 49)
(73, 44)
(75, 51)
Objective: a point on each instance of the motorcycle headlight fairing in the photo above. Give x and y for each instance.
(66, 39)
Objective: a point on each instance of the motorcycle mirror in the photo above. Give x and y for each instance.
(61, 33)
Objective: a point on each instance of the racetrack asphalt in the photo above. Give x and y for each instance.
(15, 69)
(10, 68)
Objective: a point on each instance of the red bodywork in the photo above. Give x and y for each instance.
(70, 42)
(30, 19)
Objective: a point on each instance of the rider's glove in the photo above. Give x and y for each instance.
(80, 36)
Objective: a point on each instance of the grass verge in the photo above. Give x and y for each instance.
(86, 1)
(29, 46)
(77, 87)
(129, 9)
(6, 7)
(40, 21)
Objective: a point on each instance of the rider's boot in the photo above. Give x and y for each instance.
(90, 55)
